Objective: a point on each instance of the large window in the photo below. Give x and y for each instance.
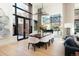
(76, 22)
(23, 17)
(77, 25)
(52, 21)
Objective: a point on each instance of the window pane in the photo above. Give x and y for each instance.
(22, 13)
(20, 28)
(27, 27)
(23, 6)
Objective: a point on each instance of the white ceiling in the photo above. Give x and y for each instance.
(39, 5)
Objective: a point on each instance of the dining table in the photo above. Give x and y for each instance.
(37, 40)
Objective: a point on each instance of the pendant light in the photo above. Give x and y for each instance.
(42, 11)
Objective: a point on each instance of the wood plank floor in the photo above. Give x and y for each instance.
(20, 49)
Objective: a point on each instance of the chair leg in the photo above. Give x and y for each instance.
(49, 43)
(45, 45)
(34, 47)
(39, 46)
(52, 40)
(28, 45)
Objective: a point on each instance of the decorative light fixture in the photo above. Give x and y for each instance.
(42, 11)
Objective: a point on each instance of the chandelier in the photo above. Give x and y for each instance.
(42, 11)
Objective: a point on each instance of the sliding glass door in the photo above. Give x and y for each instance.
(23, 28)
(20, 28)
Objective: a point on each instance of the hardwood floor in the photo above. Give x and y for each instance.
(21, 49)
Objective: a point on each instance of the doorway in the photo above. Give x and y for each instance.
(22, 28)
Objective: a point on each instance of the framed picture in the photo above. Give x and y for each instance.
(56, 18)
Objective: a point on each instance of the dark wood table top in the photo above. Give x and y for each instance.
(38, 35)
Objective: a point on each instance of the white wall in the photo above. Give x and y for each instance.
(76, 7)
(68, 16)
(8, 9)
(34, 10)
(53, 8)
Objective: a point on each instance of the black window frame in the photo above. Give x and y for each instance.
(25, 18)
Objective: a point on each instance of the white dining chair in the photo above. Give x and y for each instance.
(32, 41)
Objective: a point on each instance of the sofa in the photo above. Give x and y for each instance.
(70, 46)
